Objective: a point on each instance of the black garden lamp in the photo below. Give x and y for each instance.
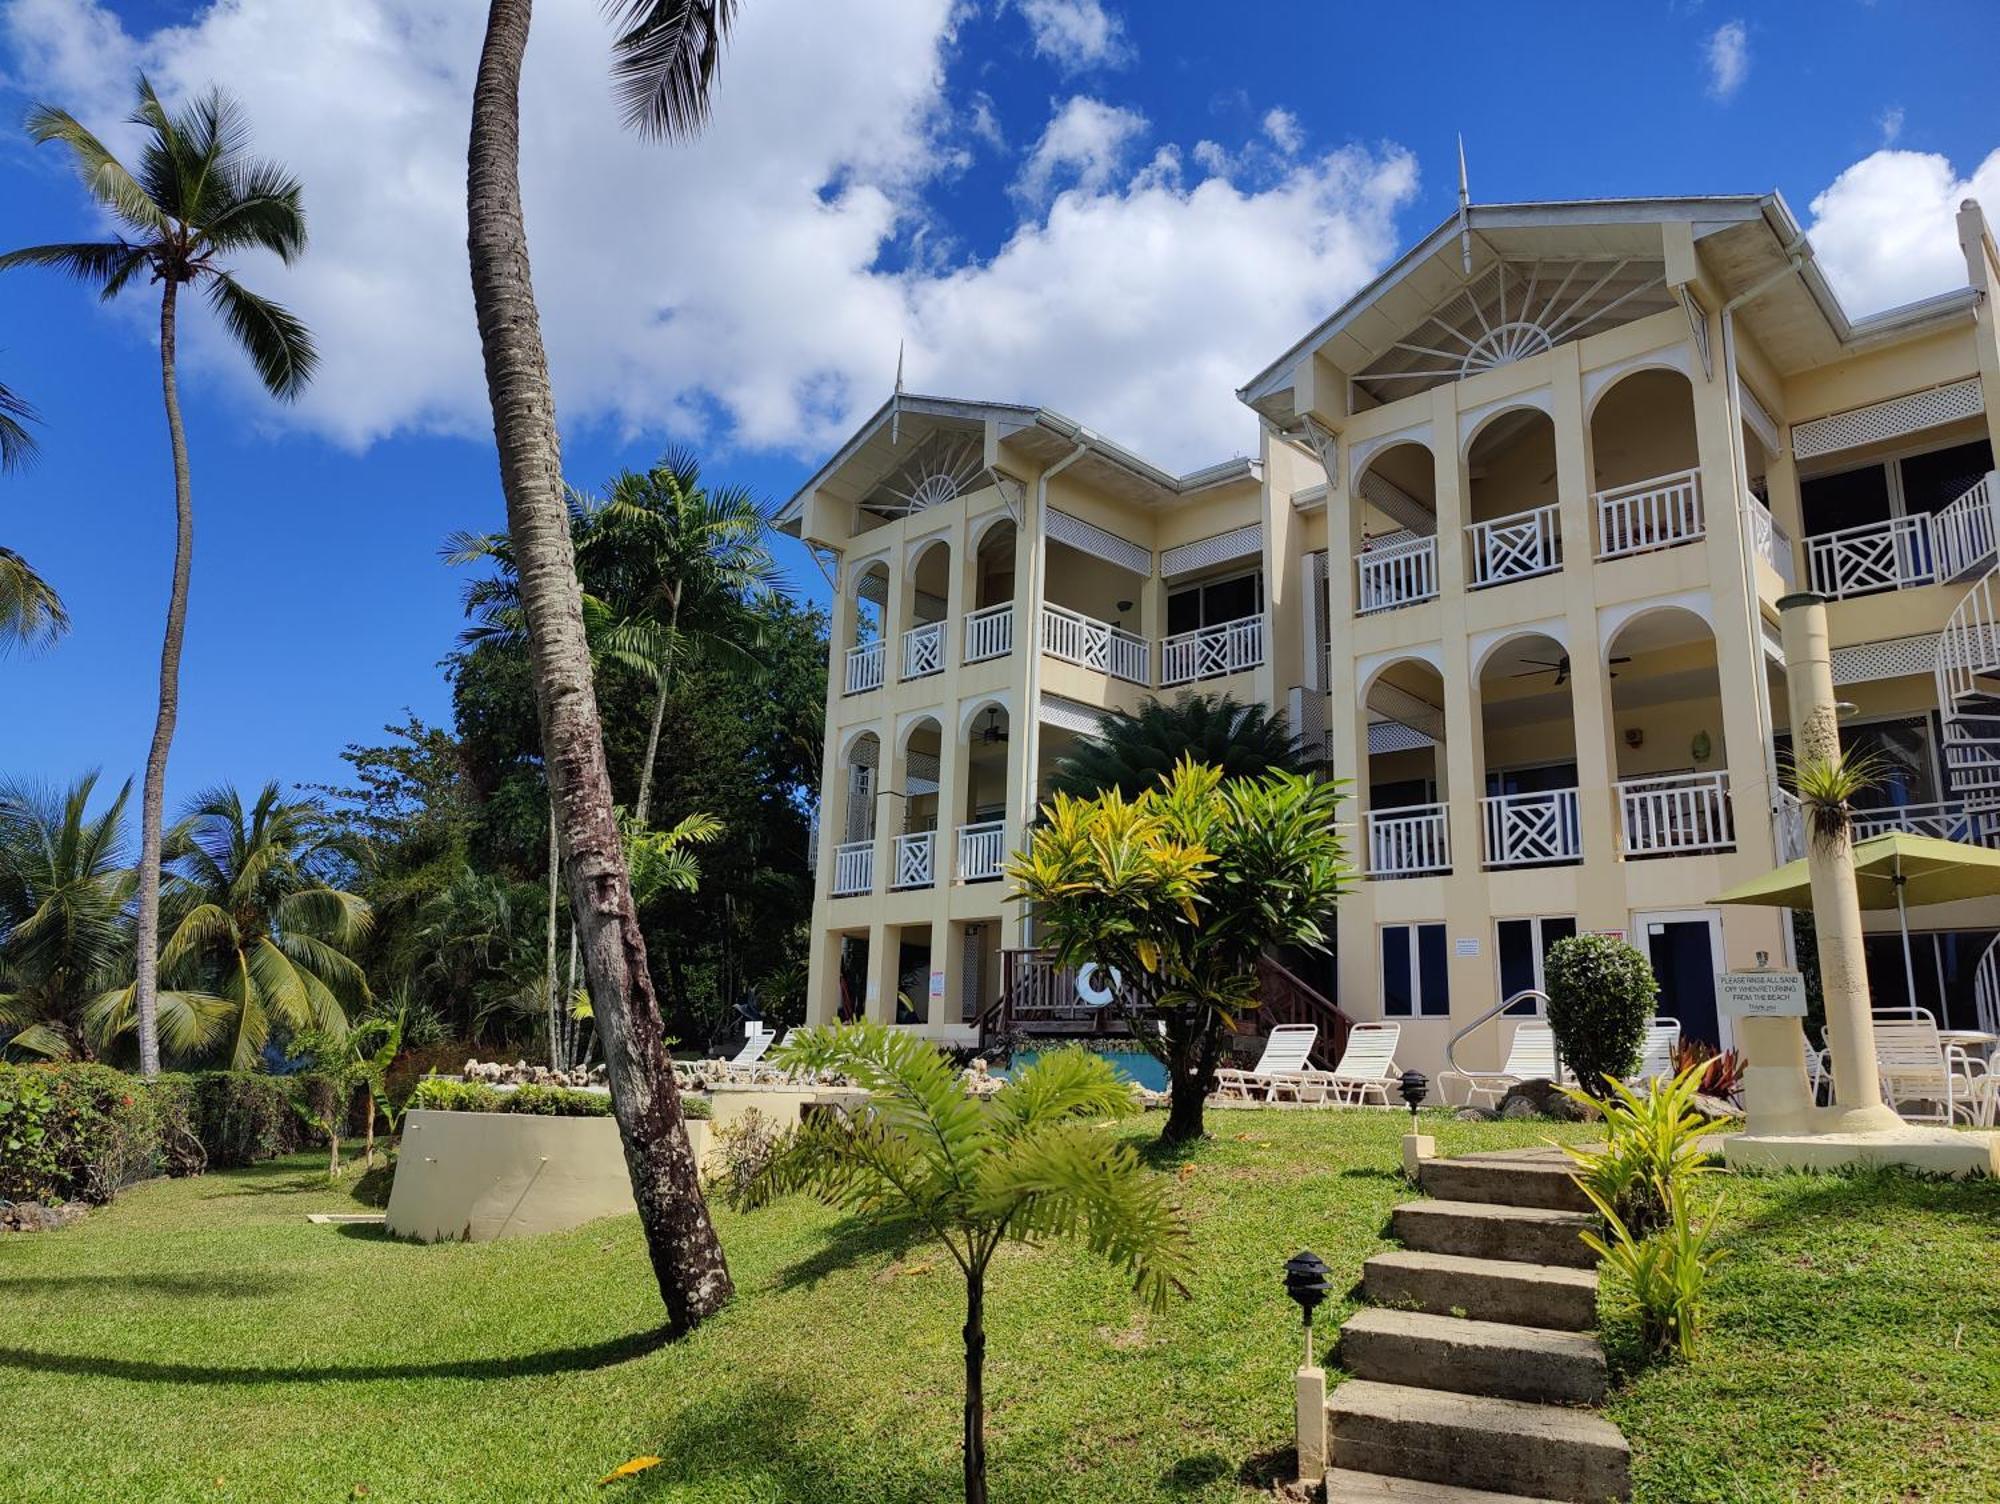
(1415, 1086)
(1306, 1283)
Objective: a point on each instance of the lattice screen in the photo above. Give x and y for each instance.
(1888, 420)
(1069, 715)
(1095, 540)
(1393, 736)
(1239, 543)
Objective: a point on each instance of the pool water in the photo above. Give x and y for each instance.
(1132, 1065)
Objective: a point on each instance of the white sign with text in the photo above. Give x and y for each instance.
(1760, 994)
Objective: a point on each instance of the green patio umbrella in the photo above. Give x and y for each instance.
(1892, 871)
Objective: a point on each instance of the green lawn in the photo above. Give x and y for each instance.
(200, 1340)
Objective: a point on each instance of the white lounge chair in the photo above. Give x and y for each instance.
(1367, 1066)
(1916, 1066)
(1656, 1055)
(1282, 1067)
(1530, 1057)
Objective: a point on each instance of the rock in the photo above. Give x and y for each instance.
(1476, 1115)
(33, 1216)
(1716, 1107)
(1541, 1099)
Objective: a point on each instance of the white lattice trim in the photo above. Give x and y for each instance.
(1760, 420)
(1393, 736)
(1069, 715)
(1888, 420)
(1237, 543)
(1891, 658)
(1095, 540)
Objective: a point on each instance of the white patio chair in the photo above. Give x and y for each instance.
(1367, 1067)
(755, 1044)
(1917, 1067)
(1282, 1066)
(1656, 1055)
(1819, 1075)
(1530, 1057)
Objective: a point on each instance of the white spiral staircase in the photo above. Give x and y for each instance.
(1966, 539)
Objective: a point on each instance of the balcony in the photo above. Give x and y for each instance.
(1976, 824)
(1411, 841)
(1676, 816)
(1531, 830)
(982, 851)
(864, 668)
(1212, 652)
(989, 633)
(1519, 547)
(923, 651)
(916, 865)
(1402, 574)
(1772, 544)
(1088, 643)
(1893, 554)
(853, 868)
(1664, 512)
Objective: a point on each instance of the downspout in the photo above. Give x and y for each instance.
(1032, 711)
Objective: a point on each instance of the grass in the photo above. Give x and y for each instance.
(200, 1340)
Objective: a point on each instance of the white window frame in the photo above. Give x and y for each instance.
(1413, 926)
(1256, 572)
(1540, 951)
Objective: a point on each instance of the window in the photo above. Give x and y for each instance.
(1932, 482)
(1905, 487)
(1852, 498)
(1904, 751)
(1542, 778)
(1941, 962)
(1214, 602)
(1522, 944)
(1414, 982)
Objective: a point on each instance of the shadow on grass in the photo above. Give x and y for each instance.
(235, 1286)
(562, 1360)
(845, 1244)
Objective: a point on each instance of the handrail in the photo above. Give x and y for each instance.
(1451, 1045)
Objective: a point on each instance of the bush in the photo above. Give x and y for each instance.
(436, 1095)
(1601, 992)
(241, 1117)
(744, 1152)
(1652, 1148)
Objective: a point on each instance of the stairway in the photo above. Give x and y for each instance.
(1474, 1357)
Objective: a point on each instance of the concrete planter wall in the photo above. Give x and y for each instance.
(482, 1175)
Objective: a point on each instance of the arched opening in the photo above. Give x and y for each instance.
(989, 626)
(1395, 528)
(1645, 467)
(930, 592)
(865, 655)
(1527, 732)
(854, 857)
(982, 814)
(1513, 530)
(1666, 714)
(1407, 827)
(916, 849)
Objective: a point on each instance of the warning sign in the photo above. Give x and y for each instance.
(1760, 994)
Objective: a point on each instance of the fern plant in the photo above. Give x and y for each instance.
(1029, 1164)
(1651, 1150)
(1666, 1275)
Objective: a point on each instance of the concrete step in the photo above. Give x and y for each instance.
(1345, 1486)
(1496, 1358)
(1470, 1441)
(1503, 1182)
(1488, 1230)
(1543, 1295)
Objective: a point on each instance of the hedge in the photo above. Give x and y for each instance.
(435, 1094)
(82, 1132)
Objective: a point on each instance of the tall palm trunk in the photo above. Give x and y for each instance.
(973, 1445)
(153, 793)
(549, 955)
(659, 715)
(687, 1258)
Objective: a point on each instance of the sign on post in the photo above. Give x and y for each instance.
(1760, 994)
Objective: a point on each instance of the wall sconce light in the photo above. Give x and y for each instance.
(1634, 737)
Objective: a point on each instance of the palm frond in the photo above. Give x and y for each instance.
(664, 61)
(32, 614)
(105, 178)
(94, 262)
(278, 344)
(263, 211)
(17, 445)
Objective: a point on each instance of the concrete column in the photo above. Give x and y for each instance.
(823, 973)
(1461, 768)
(1312, 1423)
(884, 955)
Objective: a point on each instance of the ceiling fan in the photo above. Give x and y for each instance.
(992, 732)
(1561, 668)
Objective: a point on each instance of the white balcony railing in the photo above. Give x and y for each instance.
(1772, 543)
(989, 633)
(916, 864)
(982, 851)
(1531, 830)
(1408, 842)
(1515, 548)
(1686, 812)
(1663, 512)
(1966, 534)
(1090, 643)
(1947, 819)
(864, 668)
(1400, 575)
(853, 868)
(1893, 554)
(923, 650)
(1210, 652)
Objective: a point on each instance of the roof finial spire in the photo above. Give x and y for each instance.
(1464, 210)
(896, 408)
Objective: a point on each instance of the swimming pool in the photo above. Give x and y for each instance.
(1133, 1065)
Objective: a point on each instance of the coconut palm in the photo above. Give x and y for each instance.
(197, 197)
(665, 55)
(1132, 751)
(17, 445)
(1029, 1164)
(255, 930)
(65, 880)
(32, 615)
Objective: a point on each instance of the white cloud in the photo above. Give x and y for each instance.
(1727, 53)
(1886, 229)
(984, 122)
(1891, 123)
(1283, 127)
(1077, 35)
(1086, 142)
(751, 288)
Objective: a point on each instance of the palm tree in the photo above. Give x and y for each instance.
(197, 197)
(256, 933)
(1026, 1165)
(64, 885)
(665, 56)
(31, 613)
(1133, 750)
(17, 445)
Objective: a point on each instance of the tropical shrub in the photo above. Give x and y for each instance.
(1132, 751)
(240, 1117)
(1664, 1277)
(1721, 1070)
(744, 1152)
(437, 1095)
(76, 1131)
(1651, 1151)
(1601, 993)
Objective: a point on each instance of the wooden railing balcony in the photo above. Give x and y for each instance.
(1401, 574)
(1519, 547)
(923, 650)
(1663, 512)
(1212, 652)
(989, 633)
(916, 860)
(1532, 830)
(1411, 841)
(1676, 815)
(1090, 643)
(864, 668)
(853, 868)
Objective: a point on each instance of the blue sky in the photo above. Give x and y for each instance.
(1120, 211)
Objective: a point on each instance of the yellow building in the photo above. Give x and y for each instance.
(1512, 546)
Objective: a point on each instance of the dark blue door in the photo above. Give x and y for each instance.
(1684, 964)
